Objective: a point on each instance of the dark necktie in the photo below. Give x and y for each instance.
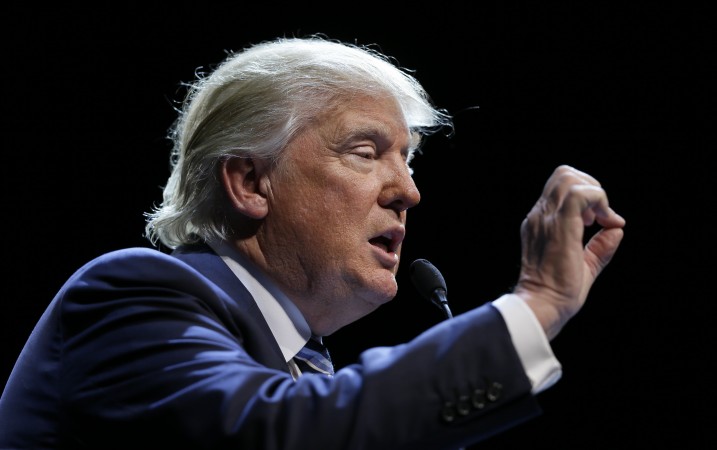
(314, 357)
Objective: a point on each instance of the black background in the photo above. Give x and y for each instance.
(88, 97)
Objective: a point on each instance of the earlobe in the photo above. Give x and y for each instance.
(242, 180)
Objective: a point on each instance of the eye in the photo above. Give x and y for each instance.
(365, 152)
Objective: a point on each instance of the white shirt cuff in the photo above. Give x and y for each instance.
(530, 341)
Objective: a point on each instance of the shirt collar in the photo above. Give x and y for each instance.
(286, 322)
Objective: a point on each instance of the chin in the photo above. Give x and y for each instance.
(375, 287)
(386, 294)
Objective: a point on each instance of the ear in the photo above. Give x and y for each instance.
(242, 178)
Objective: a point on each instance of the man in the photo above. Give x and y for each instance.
(285, 212)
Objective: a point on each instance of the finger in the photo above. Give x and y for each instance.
(609, 218)
(583, 176)
(563, 179)
(567, 175)
(601, 248)
(587, 201)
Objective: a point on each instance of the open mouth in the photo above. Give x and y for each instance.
(383, 242)
(389, 240)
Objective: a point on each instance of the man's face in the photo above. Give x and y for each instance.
(337, 213)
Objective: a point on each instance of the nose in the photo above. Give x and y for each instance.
(399, 189)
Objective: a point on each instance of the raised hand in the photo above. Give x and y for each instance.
(557, 268)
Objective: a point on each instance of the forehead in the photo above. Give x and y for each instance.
(365, 116)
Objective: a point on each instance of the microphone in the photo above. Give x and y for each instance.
(430, 284)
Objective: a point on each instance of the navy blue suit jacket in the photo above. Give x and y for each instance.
(144, 349)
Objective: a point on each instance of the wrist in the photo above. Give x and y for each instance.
(544, 308)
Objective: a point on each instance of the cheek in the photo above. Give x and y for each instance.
(340, 220)
(317, 200)
(344, 195)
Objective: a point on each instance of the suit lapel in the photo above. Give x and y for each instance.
(248, 324)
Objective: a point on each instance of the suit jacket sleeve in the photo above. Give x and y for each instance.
(150, 351)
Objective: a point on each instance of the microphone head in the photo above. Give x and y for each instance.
(426, 278)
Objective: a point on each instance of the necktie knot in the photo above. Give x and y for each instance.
(314, 357)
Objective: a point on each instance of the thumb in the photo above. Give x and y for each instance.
(601, 248)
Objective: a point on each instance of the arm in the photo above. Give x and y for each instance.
(155, 353)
